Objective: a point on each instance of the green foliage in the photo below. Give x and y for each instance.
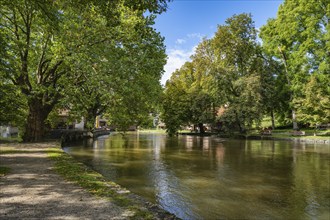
(4, 171)
(237, 70)
(225, 71)
(288, 74)
(314, 107)
(94, 182)
(83, 57)
(13, 107)
(176, 102)
(299, 39)
(123, 70)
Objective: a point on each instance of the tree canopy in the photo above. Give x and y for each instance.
(80, 55)
(285, 74)
(102, 57)
(225, 71)
(299, 38)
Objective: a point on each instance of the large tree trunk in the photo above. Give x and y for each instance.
(284, 57)
(35, 125)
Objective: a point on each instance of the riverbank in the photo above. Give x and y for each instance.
(279, 135)
(40, 181)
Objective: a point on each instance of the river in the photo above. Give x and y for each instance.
(212, 178)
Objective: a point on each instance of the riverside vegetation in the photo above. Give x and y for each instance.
(93, 58)
(88, 179)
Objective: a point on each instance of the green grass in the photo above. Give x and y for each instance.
(13, 151)
(287, 134)
(161, 131)
(306, 137)
(4, 171)
(94, 182)
(10, 139)
(85, 177)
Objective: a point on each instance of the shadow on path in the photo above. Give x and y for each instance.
(32, 190)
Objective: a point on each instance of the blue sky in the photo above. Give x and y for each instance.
(186, 22)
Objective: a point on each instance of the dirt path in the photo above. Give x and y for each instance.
(32, 190)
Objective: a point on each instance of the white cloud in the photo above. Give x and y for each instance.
(180, 41)
(176, 58)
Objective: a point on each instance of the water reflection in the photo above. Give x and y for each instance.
(208, 178)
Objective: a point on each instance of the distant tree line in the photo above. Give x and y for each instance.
(285, 76)
(102, 57)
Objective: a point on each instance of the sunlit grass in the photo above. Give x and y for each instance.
(300, 137)
(94, 182)
(13, 151)
(323, 135)
(161, 131)
(85, 177)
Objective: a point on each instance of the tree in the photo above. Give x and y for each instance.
(299, 37)
(176, 100)
(138, 86)
(225, 71)
(205, 99)
(43, 51)
(185, 102)
(237, 69)
(11, 113)
(274, 90)
(121, 69)
(314, 107)
(30, 61)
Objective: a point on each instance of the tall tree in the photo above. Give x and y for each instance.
(299, 37)
(274, 90)
(237, 71)
(225, 71)
(314, 107)
(30, 61)
(204, 100)
(176, 99)
(185, 101)
(40, 42)
(123, 65)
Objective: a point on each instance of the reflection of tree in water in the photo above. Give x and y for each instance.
(205, 177)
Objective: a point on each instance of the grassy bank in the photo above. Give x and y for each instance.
(160, 131)
(95, 183)
(322, 135)
(4, 171)
(85, 177)
(91, 181)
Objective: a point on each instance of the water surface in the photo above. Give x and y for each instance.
(213, 178)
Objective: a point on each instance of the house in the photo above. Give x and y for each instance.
(8, 131)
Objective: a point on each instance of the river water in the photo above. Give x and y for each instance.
(213, 178)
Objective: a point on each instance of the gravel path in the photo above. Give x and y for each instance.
(32, 190)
